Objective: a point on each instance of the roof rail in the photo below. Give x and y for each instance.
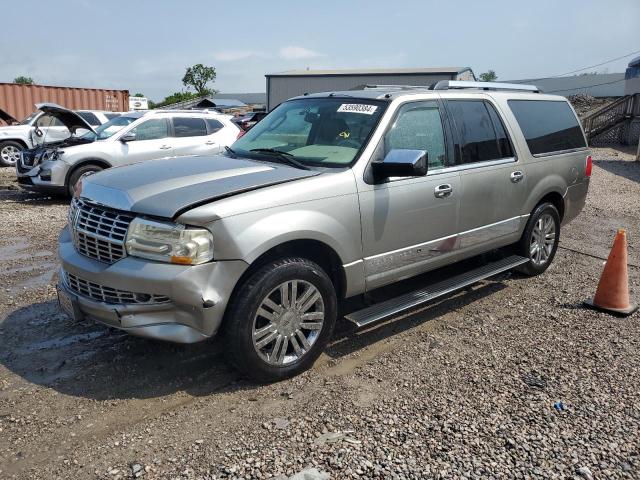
(455, 84)
(392, 87)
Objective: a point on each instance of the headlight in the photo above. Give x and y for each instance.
(169, 242)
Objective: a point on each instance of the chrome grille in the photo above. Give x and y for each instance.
(99, 232)
(104, 294)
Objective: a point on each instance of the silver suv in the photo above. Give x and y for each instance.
(330, 196)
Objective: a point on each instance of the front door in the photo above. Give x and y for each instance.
(151, 141)
(409, 225)
(493, 179)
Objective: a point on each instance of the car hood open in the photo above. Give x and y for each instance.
(7, 118)
(69, 118)
(168, 187)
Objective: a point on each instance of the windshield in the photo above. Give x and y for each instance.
(327, 132)
(29, 118)
(108, 129)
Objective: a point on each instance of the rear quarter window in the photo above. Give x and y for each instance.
(548, 126)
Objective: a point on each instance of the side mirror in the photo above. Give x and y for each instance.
(129, 137)
(401, 163)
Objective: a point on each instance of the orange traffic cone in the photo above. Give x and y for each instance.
(612, 294)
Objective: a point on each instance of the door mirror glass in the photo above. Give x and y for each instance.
(401, 163)
(128, 137)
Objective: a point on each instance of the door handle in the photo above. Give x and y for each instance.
(516, 176)
(165, 147)
(210, 142)
(442, 191)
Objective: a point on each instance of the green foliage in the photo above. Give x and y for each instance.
(198, 76)
(174, 98)
(489, 76)
(139, 95)
(23, 80)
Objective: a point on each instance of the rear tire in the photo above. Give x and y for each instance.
(78, 173)
(540, 239)
(280, 319)
(9, 153)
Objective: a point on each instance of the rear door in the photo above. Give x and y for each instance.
(151, 141)
(493, 178)
(191, 137)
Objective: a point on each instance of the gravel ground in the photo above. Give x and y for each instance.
(509, 379)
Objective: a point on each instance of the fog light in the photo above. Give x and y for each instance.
(45, 175)
(142, 297)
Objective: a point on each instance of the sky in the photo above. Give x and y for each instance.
(144, 46)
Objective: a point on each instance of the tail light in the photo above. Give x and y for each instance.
(588, 166)
(240, 133)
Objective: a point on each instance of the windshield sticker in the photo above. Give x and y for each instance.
(358, 108)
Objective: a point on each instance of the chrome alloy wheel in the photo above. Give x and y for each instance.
(543, 239)
(10, 154)
(288, 322)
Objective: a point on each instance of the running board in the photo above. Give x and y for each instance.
(394, 306)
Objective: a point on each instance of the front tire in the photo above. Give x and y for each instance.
(78, 173)
(10, 153)
(540, 239)
(280, 319)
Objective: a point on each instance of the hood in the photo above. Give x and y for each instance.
(69, 118)
(8, 119)
(168, 187)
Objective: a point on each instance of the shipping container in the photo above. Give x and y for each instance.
(18, 100)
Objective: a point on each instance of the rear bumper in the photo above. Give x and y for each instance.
(198, 294)
(574, 200)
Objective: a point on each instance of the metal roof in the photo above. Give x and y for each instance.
(204, 102)
(260, 97)
(596, 85)
(370, 71)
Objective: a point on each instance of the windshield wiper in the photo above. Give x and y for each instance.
(286, 157)
(231, 152)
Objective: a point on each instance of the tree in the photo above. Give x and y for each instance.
(139, 95)
(489, 76)
(23, 80)
(197, 77)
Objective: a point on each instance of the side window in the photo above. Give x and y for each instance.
(418, 126)
(153, 129)
(479, 132)
(548, 126)
(48, 121)
(504, 145)
(214, 125)
(189, 127)
(90, 118)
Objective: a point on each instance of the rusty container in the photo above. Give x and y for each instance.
(18, 100)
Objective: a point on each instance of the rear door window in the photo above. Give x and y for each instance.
(189, 127)
(214, 125)
(548, 126)
(481, 135)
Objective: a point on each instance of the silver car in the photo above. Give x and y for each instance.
(330, 196)
(129, 138)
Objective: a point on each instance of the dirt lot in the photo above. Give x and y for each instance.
(462, 389)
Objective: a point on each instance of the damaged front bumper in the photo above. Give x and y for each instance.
(177, 303)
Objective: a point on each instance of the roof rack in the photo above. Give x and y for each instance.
(458, 84)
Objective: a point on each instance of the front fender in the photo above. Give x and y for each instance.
(334, 222)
